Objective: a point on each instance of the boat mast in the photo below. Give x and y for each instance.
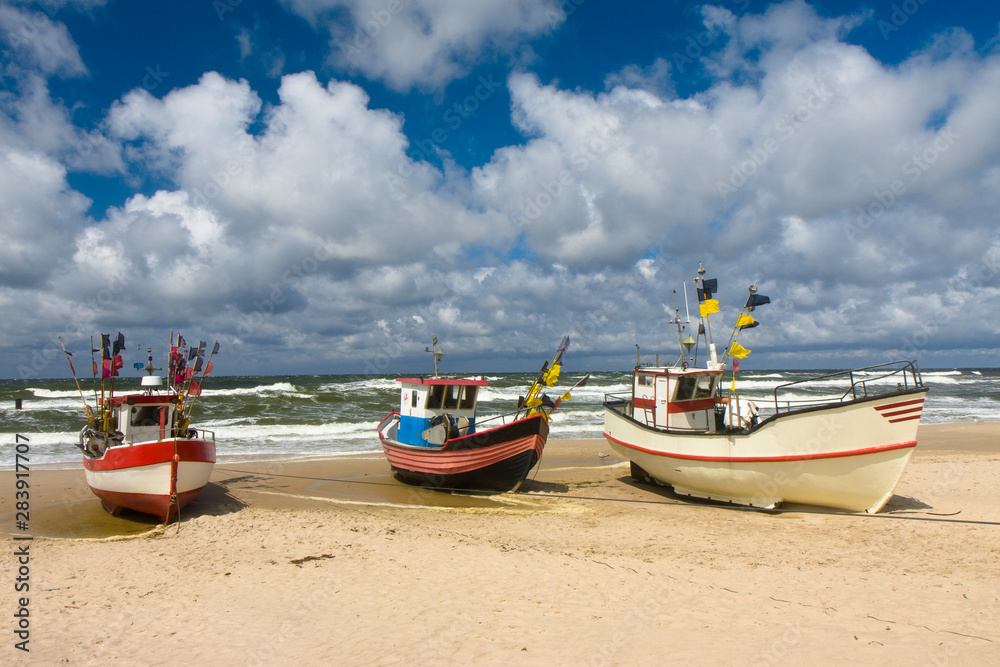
(712, 356)
(734, 336)
(677, 322)
(687, 343)
(438, 353)
(170, 361)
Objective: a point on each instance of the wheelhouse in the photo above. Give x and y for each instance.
(144, 418)
(432, 410)
(676, 398)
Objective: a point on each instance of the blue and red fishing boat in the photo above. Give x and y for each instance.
(436, 440)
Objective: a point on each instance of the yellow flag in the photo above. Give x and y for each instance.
(552, 375)
(710, 306)
(745, 320)
(738, 351)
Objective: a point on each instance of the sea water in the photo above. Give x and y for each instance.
(302, 416)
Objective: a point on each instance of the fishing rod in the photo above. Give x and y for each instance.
(105, 409)
(93, 366)
(86, 408)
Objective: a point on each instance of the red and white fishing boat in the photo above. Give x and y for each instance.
(435, 439)
(844, 446)
(140, 452)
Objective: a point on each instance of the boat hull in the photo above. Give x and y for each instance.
(846, 455)
(141, 477)
(497, 459)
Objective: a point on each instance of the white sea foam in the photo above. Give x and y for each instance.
(279, 433)
(283, 388)
(53, 393)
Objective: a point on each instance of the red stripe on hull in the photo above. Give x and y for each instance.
(149, 453)
(890, 406)
(905, 419)
(908, 411)
(758, 459)
(438, 462)
(496, 459)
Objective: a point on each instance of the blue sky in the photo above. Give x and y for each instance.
(322, 185)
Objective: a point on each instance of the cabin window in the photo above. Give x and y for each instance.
(451, 397)
(694, 386)
(686, 385)
(435, 397)
(413, 400)
(644, 380)
(145, 415)
(468, 398)
(704, 389)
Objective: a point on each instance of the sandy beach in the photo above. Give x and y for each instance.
(333, 561)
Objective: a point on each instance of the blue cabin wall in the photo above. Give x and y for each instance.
(410, 429)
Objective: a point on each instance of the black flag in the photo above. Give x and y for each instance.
(119, 344)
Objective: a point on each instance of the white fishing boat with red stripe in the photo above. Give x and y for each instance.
(840, 440)
(141, 452)
(435, 439)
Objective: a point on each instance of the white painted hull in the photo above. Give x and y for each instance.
(141, 477)
(848, 456)
(151, 479)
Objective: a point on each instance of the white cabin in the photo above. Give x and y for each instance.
(676, 398)
(144, 417)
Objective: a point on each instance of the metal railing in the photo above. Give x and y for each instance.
(860, 383)
(621, 403)
(857, 383)
(205, 434)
